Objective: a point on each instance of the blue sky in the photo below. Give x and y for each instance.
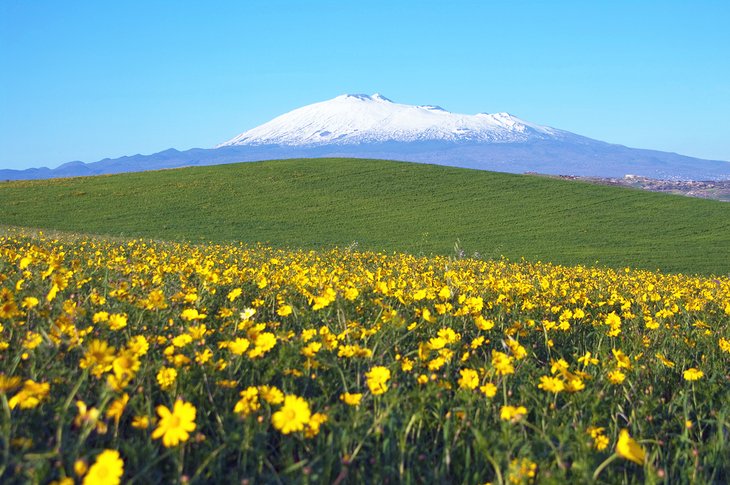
(85, 80)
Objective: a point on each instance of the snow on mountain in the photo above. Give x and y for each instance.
(362, 126)
(359, 118)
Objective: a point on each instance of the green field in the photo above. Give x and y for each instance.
(386, 205)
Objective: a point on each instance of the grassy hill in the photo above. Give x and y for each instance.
(390, 206)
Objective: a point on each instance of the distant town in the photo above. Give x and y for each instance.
(709, 189)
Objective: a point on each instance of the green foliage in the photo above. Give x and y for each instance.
(383, 205)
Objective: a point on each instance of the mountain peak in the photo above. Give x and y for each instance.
(380, 97)
(360, 118)
(365, 97)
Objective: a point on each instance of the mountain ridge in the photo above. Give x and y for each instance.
(373, 126)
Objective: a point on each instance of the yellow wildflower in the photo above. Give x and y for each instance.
(31, 395)
(469, 379)
(627, 448)
(106, 470)
(377, 379)
(512, 413)
(175, 425)
(166, 377)
(351, 399)
(692, 374)
(293, 415)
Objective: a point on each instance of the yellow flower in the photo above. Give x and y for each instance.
(351, 399)
(436, 343)
(313, 425)
(271, 394)
(166, 377)
(52, 292)
(234, 293)
(512, 413)
(8, 383)
(175, 425)
(99, 357)
(665, 361)
(502, 363)
(262, 344)
(117, 321)
(197, 332)
(488, 389)
(614, 322)
(518, 350)
(616, 376)
(29, 302)
(125, 366)
(155, 300)
(551, 384)
(449, 335)
(622, 360)
(138, 345)
(482, 323)
(249, 401)
(284, 311)
(140, 422)
(81, 467)
(201, 357)
(293, 415)
(32, 340)
(100, 317)
(377, 379)
(116, 408)
(106, 470)
(559, 365)
(627, 448)
(328, 296)
(351, 293)
(600, 442)
(238, 346)
(469, 379)
(692, 374)
(182, 340)
(724, 345)
(86, 415)
(311, 349)
(8, 309)
(192, 314)
(30, 395)
(522, 471)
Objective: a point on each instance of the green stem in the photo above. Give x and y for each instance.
(504, 389)
(548, 441)
(207, 461)
(64, 409)
(603, 465)
(150, 465)
(6, 433)
(181, 463)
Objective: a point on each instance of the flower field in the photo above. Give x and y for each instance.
(155, 362)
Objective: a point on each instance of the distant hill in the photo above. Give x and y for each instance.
(385, 205)
(365, 126)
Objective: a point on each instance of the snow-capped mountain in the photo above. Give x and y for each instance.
(362, 126)
(359, 118)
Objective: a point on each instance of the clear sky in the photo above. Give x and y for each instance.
(86, 80)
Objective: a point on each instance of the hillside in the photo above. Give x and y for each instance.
(389, 206)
